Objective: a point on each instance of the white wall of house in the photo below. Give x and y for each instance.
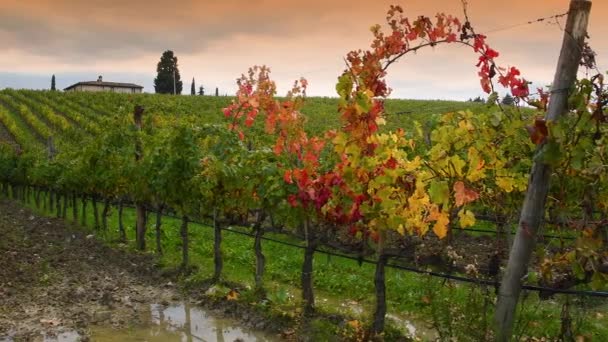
(106, 88)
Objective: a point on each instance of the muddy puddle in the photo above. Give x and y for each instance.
(177, 322)
(411, 327)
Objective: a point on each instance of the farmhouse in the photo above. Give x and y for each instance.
(100, 85)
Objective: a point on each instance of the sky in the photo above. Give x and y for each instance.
(218, 40)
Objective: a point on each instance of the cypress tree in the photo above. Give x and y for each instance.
(53, 83)
(168, 79)
(508, 100)
(193, 88)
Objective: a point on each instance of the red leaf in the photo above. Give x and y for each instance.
(490, 53)
(391, 163)
(375, 236)
(227, 111)
(287, 177)
(293, 200)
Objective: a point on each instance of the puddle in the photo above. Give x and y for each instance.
(410, 326)
(414, 331)
(63, 337)
(173, 323)
(66, 336)
(181, 323)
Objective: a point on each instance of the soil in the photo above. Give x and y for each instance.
(54, 278)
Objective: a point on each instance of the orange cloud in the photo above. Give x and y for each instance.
(218, 39)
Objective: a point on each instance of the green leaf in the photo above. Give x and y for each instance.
(344, 86)
(496, 119)
(599, 280)
(578, 158)
(578, 270)
(550, 154)
(363, 102)
(439, 192)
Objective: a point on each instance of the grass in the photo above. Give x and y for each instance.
(432, 305)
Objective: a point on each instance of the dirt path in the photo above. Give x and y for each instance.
(55, 278)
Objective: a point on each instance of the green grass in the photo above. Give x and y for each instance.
(342, 286)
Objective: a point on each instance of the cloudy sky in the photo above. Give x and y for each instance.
(217, 40)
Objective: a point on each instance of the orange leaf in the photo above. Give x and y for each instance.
(538, 132)
(232, 295)
(440, 228)
(355, 324)
(463, 195)
(287, 177)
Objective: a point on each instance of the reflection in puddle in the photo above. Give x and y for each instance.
(63, 337)
(181, 323)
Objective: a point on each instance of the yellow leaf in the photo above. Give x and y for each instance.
(401, 229)
(413, 164)
(340, 141)
(440, 228)
(447, 117)
(418, 128)
(466, 218)
(457, 163)
(505, 183)
(466, 125)
(476, 166)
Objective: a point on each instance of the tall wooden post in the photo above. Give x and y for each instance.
(533, 208)
(140, 209)
(308, 296)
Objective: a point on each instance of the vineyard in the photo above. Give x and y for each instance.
(414, 205)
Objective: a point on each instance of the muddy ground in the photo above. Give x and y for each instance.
(54, 277)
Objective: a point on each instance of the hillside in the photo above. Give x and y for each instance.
(28, 116)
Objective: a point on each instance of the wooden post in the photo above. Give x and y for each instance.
(66, 200)
(104, 214)
(185, 243)
(218, 260)
(380, 287)
(140, 209)
(533, 208)
(159, 221)
(83, 220)
(121, 226)
(308, 296)
(260, 259)
(95, 212)
(74, 207)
